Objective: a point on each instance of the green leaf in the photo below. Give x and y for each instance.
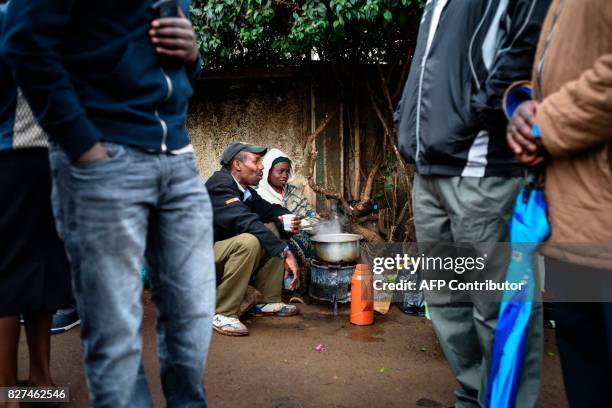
(388, 16)
(274, 33)
(401, 18)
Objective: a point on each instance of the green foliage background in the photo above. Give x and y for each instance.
(262, 33)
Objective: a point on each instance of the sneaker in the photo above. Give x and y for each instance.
(274, 309)
(229, 326)
(64, 320)
(297, 298)
(251, 298)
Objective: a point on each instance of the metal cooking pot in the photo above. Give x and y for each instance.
(336, 248)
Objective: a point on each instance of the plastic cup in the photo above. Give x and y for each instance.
(288, 222)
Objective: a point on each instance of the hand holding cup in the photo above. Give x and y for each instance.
(291, 223)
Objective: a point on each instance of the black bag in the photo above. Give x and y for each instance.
(411, 301)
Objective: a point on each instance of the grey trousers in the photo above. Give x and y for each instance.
(473, 212)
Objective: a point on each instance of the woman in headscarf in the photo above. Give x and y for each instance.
(275, 188)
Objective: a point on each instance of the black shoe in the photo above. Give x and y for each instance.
(413, 310)
(64, 320)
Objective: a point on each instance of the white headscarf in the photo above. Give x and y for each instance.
(265, 190)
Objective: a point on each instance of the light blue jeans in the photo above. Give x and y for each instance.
(110, 213)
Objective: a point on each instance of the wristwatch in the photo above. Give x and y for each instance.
(284, 253)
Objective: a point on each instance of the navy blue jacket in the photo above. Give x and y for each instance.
(18, 127)
(8, 95)
(90, 72)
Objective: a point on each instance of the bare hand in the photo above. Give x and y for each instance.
(291, 266)
(519, 134)
(295, 224)
(527, 148)
(96, 153)
(174, 37)
(530, 159)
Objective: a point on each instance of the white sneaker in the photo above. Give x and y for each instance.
(274, 309)
(229, 326)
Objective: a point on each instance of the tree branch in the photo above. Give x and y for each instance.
(389, 132)
(385, 88)
(366, 194)
(402, 80)
(405, 169)
(363, 206)
(310, 164)
(405, 209)
(367, 233)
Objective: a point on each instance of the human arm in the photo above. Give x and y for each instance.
(513, 61)
(232, 214)
(175, 38)
(31, 44)
(519, 135)
(579, 115)
(291, 267)
(267, 211)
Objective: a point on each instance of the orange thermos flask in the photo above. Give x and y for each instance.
(362, 299)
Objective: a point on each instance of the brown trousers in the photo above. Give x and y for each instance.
(237, 259)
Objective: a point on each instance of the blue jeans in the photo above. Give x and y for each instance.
(111, 214)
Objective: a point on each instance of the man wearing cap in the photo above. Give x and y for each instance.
(247, 241)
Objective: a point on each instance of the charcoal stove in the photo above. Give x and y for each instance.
(331, 282)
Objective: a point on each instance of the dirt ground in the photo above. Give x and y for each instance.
(394, 363)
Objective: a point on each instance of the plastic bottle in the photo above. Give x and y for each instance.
(362, 299)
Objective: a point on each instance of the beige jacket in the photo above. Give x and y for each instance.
(573, 81)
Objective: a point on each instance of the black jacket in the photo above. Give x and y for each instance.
(450, 120)
(232, 216)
